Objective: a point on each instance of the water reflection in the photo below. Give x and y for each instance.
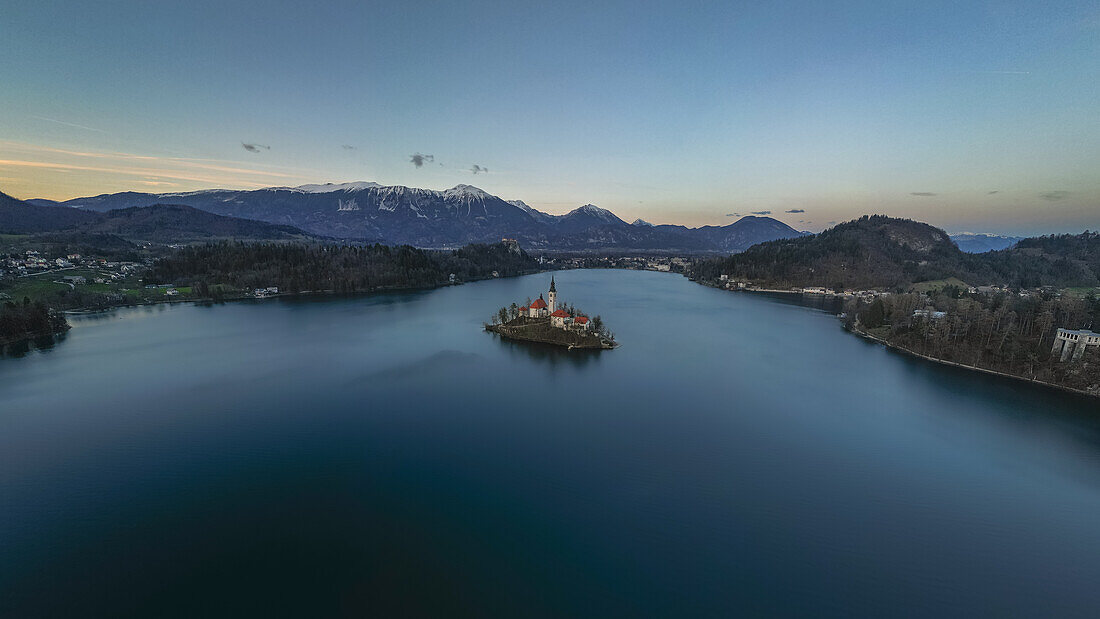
(736, 454)
(548, 354)
(42, 344)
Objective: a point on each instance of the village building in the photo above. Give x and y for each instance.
(1070, 344)
(560, 319)
(538, 309)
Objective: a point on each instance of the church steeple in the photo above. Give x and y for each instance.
(552, 288)
(553, 296)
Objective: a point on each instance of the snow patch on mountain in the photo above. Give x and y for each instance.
(465, 191)
(533, 212)
(331, 187)
(591, 210)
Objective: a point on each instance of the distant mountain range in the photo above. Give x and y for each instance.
(159, 223)
(464, 214)
(980, 243)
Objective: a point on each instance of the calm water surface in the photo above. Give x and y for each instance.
(343, 456)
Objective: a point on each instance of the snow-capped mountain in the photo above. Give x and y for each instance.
(367, 211)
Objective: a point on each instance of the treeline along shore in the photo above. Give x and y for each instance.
(229, 270)
(906, 284)
(211, 269)
(21, 320)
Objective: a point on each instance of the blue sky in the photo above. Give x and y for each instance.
(971, 116)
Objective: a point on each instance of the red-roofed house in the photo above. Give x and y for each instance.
(559, 318)
(538, 308)
(581, 322)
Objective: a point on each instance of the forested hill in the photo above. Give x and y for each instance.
(173, 223)
(884, 252)
(18, 216)
(159, 223)
(299, 267)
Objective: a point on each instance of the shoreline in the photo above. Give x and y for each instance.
(906, 351)
(84, 311)
(510, 334)
(903, 350)
(304, 293)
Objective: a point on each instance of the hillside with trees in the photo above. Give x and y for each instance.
(892, 254)
(17, 216)
(158, 223)
(27, 319)
(299, 267)
(175, 223)
(1000, 332)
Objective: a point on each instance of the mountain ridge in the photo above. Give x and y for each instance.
(396, 214)
(162, 223)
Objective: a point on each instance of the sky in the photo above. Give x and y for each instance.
(973, 116)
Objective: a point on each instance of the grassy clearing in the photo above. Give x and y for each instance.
(938, 284)
(1081, 291)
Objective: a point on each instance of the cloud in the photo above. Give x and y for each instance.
(733, 214)
(1054, 196)
(347, 147)
(419, 160)
(109, 171)
(761, 212)
(476, 168)
(254, 148)
(69, 124)
(922, 194)
(796, 210)
(832, 223)
(992, 192)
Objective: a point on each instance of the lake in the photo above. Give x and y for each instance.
(738, 454)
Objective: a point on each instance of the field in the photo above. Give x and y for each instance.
(938, 284)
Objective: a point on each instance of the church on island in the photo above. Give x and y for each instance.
(559, 318)
(550, 321)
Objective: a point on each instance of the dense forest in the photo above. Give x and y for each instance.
(887, 253)
(24, 320)
(1001, 332)
(338, 268)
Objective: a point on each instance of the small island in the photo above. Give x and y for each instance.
(549, 322)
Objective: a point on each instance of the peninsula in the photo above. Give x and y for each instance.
(549, 321)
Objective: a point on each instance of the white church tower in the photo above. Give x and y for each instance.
(553, 296)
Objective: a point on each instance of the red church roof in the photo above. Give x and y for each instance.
(581, 320)
(560, 314)
(538, 304)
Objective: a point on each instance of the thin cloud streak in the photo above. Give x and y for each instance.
(145, 172)
(69, 124)
(182, 161)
